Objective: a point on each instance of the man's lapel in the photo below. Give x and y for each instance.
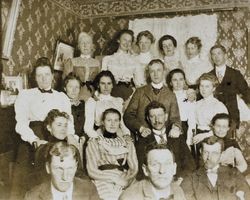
(45, 192)
(148, 190)
(203, 179)
(149, 93)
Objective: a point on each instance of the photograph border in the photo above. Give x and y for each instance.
(60, 44)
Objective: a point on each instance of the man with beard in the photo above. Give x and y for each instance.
(160, 126)
(159, 167)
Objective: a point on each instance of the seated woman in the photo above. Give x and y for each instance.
(56, 124)
(206, 108)
(167, 46)
(111, 161)
(144, 41)
(232, 154)
(186, 98)
(72, 86)
(122, 64)
(195, 66)
(104, 83)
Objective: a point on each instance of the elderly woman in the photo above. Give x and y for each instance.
(122, 64)
(167, 46)
(84, 66)
(144, 41)
(72, 86)
(111, 160)
(104, 83)
(195, 66)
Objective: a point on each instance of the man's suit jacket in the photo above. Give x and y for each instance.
(143, 190)
(229, 181)
(134, 116)
(183, 158)
(233, 83)
(82, 190)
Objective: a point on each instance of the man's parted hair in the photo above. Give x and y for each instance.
(153, 105)
(62, 149)
(155, 146)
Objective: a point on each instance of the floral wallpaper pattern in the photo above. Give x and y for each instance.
(41, 23)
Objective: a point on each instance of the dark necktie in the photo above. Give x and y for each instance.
(45, 91)
(156, 91)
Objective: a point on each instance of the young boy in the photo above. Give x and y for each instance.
(232, 154)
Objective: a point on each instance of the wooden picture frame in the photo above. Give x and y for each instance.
(9, 15)
(63, 52)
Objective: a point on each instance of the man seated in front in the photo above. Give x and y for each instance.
(62, 161)
(159, 168)
(213, 181)
(157, 118)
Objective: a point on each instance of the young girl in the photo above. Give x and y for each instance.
(111, 160)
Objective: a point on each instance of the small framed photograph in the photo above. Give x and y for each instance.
(63, 52)
(13, 83)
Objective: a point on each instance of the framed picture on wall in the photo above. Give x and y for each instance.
(13, 83)
(63, 52)
(9, 15)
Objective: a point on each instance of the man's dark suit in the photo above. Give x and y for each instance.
(233, 83)
(229, 181)
(82, 190)
(183, 158)
(134, 116)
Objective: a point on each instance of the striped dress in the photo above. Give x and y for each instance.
(110, 151)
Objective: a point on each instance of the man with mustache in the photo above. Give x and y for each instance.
(160, 127)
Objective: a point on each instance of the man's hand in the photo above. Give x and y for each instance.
(175, 132)
(144, 131)
(39, 142)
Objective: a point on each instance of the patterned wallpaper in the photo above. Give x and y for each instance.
(100, 8)
(41, 23)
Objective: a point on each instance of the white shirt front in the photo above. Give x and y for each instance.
(158, 134)
(57, 195)
(206, 109)
(122, 65)
(157, 86)
(94, 110)
(195, 67)
(33, 105)
(212, 175)
(220, 70)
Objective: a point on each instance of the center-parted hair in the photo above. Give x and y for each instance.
(171, 74)
(155, 146)
(194, 40)
(146, 34)
(104, 73)
(62, 149)
(53, 114)
(221, 116)
(166, 37)
(209, 77)
(71, 76)
(111, 110)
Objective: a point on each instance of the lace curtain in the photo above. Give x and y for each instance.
(183, 27)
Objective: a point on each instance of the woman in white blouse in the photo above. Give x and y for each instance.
(102, 100)
(186, 99)
(167, 46)
(122, 64)
(195, 65)
(144, 41)
(206, 108)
